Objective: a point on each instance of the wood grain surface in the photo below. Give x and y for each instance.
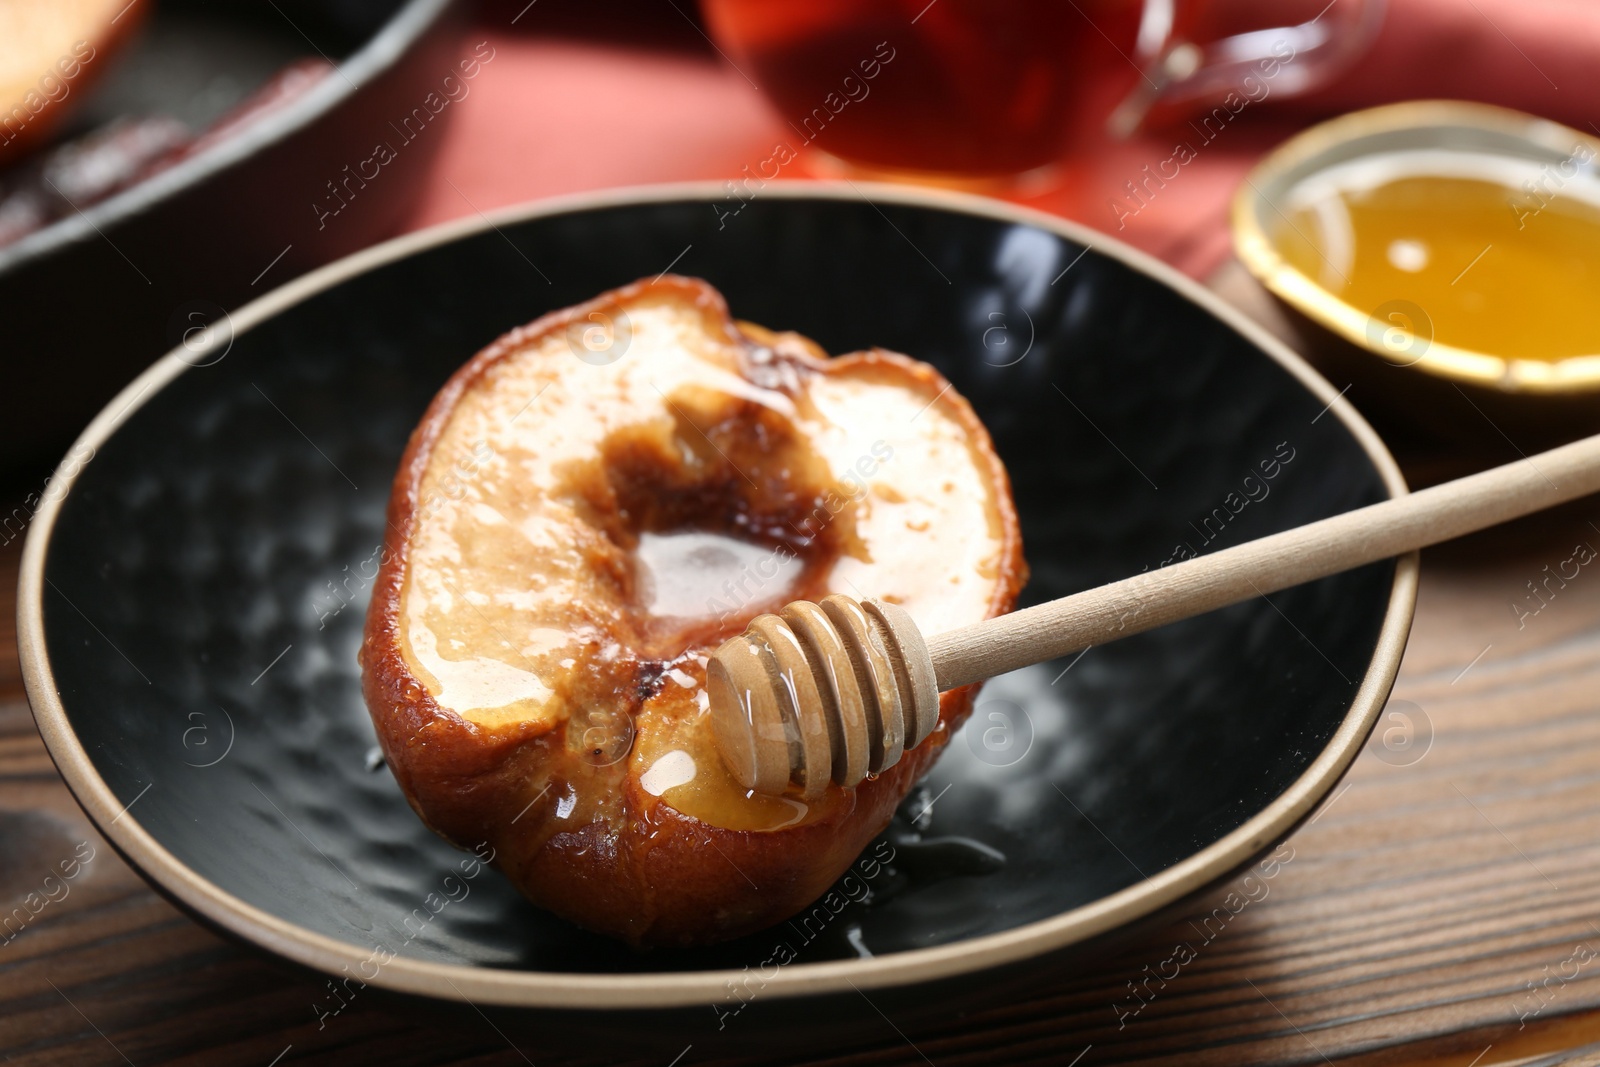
(1442, 907)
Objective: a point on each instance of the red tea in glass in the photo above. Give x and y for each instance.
(989, 88)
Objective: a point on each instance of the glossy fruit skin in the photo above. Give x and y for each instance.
(654, 877)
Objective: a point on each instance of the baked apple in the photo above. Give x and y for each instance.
(588, 508)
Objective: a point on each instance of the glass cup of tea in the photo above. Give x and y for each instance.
(976, 91)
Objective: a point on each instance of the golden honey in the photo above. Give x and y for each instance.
(1485, 253)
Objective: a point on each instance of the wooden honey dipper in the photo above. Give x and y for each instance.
(835, 691)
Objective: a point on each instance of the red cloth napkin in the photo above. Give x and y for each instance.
(556, 114)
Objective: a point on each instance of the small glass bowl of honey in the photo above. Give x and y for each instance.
(1458, 241)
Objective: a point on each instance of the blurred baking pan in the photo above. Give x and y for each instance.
(289, 101)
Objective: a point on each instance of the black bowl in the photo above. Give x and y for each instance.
(192, 602)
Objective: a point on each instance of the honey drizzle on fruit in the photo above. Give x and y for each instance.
(736, 474)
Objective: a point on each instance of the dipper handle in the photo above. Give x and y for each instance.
(834, 692)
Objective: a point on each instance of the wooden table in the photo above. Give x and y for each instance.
(1442, 908)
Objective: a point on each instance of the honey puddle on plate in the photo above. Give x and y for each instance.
(1501, 255)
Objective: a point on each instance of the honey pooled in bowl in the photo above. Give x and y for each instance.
(592, 505)
(1502, 255)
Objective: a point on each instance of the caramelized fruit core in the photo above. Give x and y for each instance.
(587, 532)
